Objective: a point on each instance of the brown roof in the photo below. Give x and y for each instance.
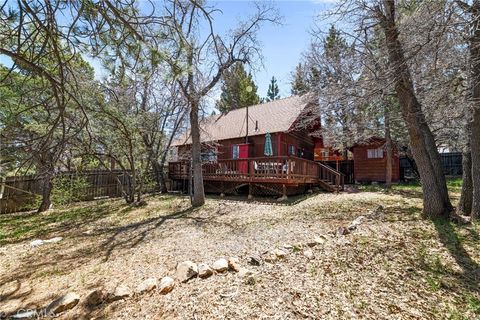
(275, 116)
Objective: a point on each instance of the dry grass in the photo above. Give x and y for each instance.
(394, 266)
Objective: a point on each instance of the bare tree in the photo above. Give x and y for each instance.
(436, 201)
(372, 16)
(199, 58)
(473, 12)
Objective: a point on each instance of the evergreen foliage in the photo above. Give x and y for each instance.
(273, 91)
(238, 89)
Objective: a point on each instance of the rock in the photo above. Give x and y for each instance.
(282, 199)
(53, 240)
(146, 285)
(234, 264)
(36, 243)
(351, 189)
(279, 253)
(287, 247)
(341, 231)
(275, 255)
(312, 243)
(94, 298)
(244, 272)
(121, 292)
(270, 257)
(355, 223)
(320, 240)
(186, 270)
(39, 242)
(27, 314)
(204, 270)
(343, 241)
(66, 302)
(251, 280)
(255, 260)
(221, 265)
(308, 253)
(166, 285)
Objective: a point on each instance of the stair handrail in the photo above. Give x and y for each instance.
(339, 177)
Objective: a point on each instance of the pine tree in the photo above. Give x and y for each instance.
(273, 91)
(238, 89)
(300, 82)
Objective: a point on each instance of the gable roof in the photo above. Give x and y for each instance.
(275, 116)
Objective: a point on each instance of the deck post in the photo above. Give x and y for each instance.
(284, 193)
(250, 191)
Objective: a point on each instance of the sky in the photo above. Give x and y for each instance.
(282, 46)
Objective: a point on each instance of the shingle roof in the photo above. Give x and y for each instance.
(275, 116)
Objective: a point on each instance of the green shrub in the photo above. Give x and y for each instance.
(68, 189)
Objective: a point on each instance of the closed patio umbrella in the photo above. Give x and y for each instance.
(268, 149)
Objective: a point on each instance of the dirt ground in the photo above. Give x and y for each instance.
(393, 266)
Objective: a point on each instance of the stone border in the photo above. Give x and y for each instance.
(185, 271)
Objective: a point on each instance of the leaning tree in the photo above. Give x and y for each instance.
(395, 20)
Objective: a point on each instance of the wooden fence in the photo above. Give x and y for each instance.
(451, 161)
(20, 193)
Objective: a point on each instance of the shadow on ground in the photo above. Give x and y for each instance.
(448, 234)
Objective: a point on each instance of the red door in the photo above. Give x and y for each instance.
(243, 154)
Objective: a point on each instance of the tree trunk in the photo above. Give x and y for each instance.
(46, 192)
(436, 202)
(475, 154)
(475, 97)
(466, 198)
(198, 190)
(389, 150)
(159, 176)
(132, 183)
(163, 183)
(158, 172)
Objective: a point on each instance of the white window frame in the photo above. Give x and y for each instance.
(235, 151)
(375, 153)
(292, 150)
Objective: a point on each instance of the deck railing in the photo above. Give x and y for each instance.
(286, 168)
(331, 176)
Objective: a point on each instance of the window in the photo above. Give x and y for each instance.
(375, 153)
(235, 151)
(324, 154)
(300, 152)
(291, 150)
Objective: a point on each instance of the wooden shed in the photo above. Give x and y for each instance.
(370, 161)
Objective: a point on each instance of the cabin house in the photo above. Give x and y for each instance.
(230, 136)
(264, 148)
(370, 161)
(274, 149)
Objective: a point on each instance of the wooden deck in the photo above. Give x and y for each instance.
(284, 171)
